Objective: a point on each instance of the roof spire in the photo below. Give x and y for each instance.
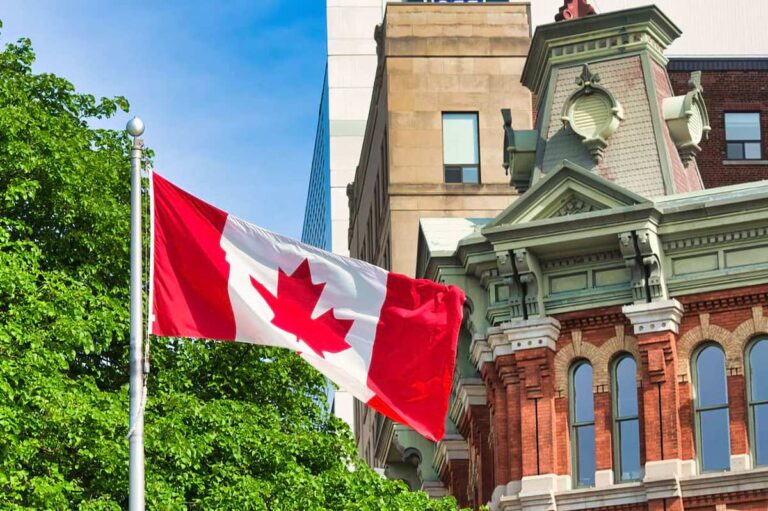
(573, 9)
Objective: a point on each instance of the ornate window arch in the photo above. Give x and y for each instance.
(756, 361)
(710, 400)
(708, 333)
(626, 422)
(582, 420)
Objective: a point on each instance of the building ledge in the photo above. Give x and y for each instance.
(745, 162)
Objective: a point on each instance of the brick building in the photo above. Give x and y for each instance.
(736, 90)
(614, 353)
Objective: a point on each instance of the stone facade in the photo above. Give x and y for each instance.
(433, 59)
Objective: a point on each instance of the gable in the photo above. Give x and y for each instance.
(568, 190)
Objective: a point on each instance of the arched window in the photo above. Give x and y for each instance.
(626, 426)
(757, 397)
(582, 425)
(711, 404)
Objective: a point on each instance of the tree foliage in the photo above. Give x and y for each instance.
(228, 426)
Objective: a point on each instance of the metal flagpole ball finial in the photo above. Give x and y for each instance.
(135, 127)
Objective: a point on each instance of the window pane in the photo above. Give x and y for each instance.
(582, 390)
(735, 151)
(710, 376)
(752, 151)
(715, 440)
(629, 435)
(626, 387)
(471, 175)
(761, 434)
(453, 174)
(742, 126)
(585, 451)
(758, 373)
(460, 139)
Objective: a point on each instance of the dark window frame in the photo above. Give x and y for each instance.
(461, 166)
(697, 410)
(618, 420)
(743, 142)
(575, 426)
(751, 402)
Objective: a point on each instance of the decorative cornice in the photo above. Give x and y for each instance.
(480, 352)
(599, 320)
(468, 392)
(714, 239)
(565, 262)
(726, 302)
(452, 447)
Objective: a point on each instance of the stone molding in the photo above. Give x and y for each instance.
(714, 239)
(524, 334)
(468, 392)
(732, 346)
(757, 324)
(480, 352)
(653, 317)
(664, 479)
(452, 447)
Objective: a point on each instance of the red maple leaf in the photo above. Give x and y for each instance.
(296, 299)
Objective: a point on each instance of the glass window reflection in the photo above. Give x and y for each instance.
(626, 422)
(711, 401)
(582, 424)
(757, 388)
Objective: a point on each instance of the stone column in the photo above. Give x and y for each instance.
(656, 326)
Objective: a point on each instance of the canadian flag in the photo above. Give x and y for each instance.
(388, 339)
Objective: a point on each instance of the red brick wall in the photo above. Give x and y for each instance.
(728, 91)
(521, 390)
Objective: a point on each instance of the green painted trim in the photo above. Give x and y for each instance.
(658, 128)
(647, 20)
(543, 122)
(542, 189)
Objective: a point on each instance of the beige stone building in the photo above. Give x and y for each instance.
(431, 146)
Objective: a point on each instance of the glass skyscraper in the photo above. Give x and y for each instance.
(317, 214)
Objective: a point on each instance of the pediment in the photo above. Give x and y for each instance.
(566, 191)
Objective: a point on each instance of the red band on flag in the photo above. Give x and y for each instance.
(191, 274)
(415, 353)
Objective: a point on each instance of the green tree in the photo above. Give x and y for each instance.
(228, 426)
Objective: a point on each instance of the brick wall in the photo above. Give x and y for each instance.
(529, 406)
(728, 91)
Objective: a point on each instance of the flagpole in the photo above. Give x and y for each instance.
(135, 128)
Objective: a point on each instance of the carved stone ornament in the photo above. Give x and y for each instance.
(573, 9)
(687, 119)
(592, 113)
(574, 207)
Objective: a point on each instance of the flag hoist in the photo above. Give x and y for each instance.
(135, 128)
(388, 339)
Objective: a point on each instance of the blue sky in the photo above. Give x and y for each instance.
(229, 90)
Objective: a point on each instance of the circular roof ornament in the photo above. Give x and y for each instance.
(592, 113)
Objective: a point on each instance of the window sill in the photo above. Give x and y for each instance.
(745, 162)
